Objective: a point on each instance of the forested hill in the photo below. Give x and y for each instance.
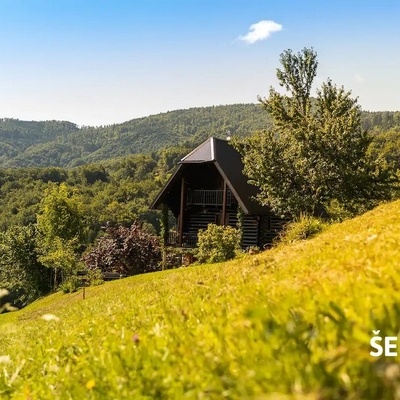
(53, 143)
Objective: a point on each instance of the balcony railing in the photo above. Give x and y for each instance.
(208, 197)
(188, 239)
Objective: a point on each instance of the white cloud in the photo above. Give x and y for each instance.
(359, 78)
(261, 31)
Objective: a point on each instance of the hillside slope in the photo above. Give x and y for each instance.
(140, 135)
(292, 322)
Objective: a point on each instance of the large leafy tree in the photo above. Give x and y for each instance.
(316, 151)
(62, 228)
(61, 214)
(21, 272)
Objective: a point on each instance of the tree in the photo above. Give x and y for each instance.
(61, 214)
(21, 272)
(127, 251)
(317, 151)
(61, 224)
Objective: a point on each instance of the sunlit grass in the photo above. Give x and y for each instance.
(294, 321)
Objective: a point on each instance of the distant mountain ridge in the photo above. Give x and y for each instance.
(64, 144)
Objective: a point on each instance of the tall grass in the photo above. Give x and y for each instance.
(304, 227)
(292, 322)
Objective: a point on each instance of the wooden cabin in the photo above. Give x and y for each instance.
(208, 186)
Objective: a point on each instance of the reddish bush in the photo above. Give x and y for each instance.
(127, 251)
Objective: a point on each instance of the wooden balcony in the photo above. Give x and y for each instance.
(208, 197)
(188, 239)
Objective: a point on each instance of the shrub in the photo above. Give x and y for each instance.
(70, 285)
(175, 257)
(337, 212)
(302, 228)
(21, 272)
(127, 251)
(94, 277)
(217, 243)
(60, 258)
(253, 249)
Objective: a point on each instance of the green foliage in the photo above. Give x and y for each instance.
(94, 277)
(93, 173)
(380, 120)
(317, 151)
(110, 193)
(175, 256)
(253, 249)
(61, 224)
(61, 256)
(21, 271)
(303, 227)
(61, 215)
(294, 322)
(63, 144)
(119, 191)
(164, 224)
(240, 221)
(70, 285)
(128, 251)
(217, 243)
(29, 144)
(387, 145)
(336, 211)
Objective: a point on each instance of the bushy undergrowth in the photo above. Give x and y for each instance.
(70, 285)
(94, 277)
(21, 272)
(127, 251)
(302, 228)
(217, 243)
(337, 213)
(175, 256)
(294, 322)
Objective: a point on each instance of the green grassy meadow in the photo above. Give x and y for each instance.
(294, 322)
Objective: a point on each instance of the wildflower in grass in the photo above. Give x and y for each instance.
(4, 359)
(90, 384)
(50, 317)
(135, 338)
(370, 238)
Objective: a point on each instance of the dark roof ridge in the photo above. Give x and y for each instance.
(229, 163)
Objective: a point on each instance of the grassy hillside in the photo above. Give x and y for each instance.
(63, 144)
(293, 322)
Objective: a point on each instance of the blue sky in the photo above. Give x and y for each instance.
(97, 62)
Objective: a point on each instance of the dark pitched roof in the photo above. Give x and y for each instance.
(229, 164)
(202, 153)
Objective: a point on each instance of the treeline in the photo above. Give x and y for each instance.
(380, 120)
(117, 191)
(70, 146)
(63, 144)
(49, 217)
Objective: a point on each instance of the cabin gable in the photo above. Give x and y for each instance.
(208, 186)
